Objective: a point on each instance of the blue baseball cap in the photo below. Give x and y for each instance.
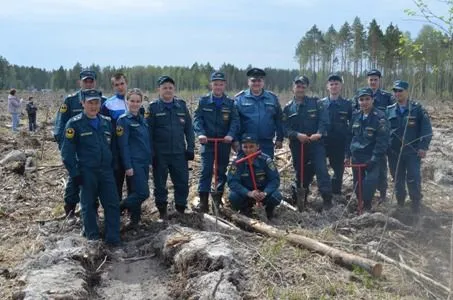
(400, 85)
(335, 77)
(87, 74)
(217, 76)
(91, 94)
(163, 79)
(366, 91)
(256, 73)
(302, 79)
(249, 138)
(374, 72)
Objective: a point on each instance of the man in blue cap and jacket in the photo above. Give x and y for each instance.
(410, 136)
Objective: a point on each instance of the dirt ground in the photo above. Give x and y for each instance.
(36, 243)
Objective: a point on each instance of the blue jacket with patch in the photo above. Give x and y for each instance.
(170, 127)
(370, 136)
(266, 175)
(260, 115)
(418, 133)
(132, 134)
(307, 117)
(340, 114)
(85, 147)
(215, 122)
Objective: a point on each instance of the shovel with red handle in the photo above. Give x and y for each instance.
(359, 168)
(249, 159)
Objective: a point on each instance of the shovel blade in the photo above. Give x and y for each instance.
(300, 199)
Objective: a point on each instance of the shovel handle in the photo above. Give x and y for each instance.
(216, 154)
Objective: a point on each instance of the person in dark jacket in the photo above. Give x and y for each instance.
(31, 112)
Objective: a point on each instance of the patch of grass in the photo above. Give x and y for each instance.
(272, 250)
(368, 281)
(58, 210)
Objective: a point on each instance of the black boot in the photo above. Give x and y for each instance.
(270, 212)
(216, 201)
(180, 208)
(69, 210)
(162, 211)
(326, 201)
(203, 207)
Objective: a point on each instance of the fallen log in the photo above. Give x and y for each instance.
(340, 257)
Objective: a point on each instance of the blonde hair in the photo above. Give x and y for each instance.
(134, 91)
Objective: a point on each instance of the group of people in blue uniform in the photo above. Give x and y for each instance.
(105, 142)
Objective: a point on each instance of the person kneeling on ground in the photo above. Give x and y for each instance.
(242, 193)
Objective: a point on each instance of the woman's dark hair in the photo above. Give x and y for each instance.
(12, 92)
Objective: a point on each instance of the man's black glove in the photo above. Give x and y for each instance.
(370, 164)
(78, 180)
(190, 155)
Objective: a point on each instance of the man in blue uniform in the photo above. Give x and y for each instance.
(260, 113)
(215, 117)
(86, 152)
(173, 139)
(242, 193)
(410, 136)
(135, 151)
(114, 107)
(381, 99)
(305, 123)
(340, 113)
(369, 143)
(71, 107)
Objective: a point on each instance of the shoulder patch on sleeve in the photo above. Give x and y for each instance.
(233, 169)
(119, 130)
(270, 164)
(63, 108)
(70, 132)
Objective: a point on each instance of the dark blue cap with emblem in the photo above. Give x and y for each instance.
(87, 74)
(91, 94)
(365, 91)
(400, 85)
(256, 73)
(164, 79)
(374, 72)
(335, 77)
(249, 138)
(218, 76)
(302, 79)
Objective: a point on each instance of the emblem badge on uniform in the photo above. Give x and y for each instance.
(63, 108)
(233, 169)
(146, 114)
(70, 133)
(119, 130)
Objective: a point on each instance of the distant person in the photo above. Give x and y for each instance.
(87, 155)
(242, 195)
(260, 113)
(173, 139)
(410, 136)
(134, 144)
(31, 112)
(14, 107)
(215, 117)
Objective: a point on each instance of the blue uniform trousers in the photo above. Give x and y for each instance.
(176, 165)
(139, 190)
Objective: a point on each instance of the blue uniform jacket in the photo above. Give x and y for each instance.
(215, 122)
(68, 109)
(382, 99)
(340, 114)
(370, 136)
(260, 115)
(86, 147)
(418, 133)
(133, 139)
(266, 176)
(170, 128)
(307, 117)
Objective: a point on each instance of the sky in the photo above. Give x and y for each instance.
(50, 33)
